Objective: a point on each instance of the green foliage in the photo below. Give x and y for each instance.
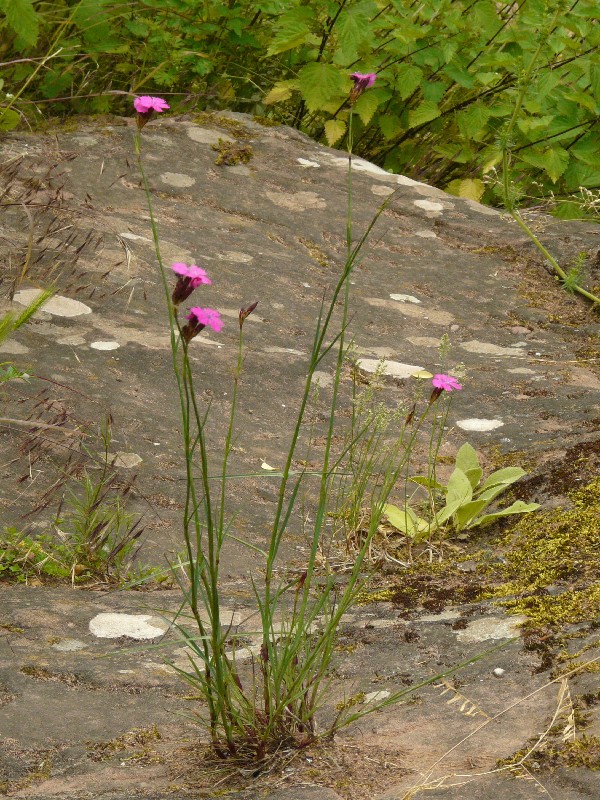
(465, 499)
(448, 75)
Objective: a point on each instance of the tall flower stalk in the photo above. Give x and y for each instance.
(252, 713)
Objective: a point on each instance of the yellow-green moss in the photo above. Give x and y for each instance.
(556, 548)
(235, 128)
(230, 153)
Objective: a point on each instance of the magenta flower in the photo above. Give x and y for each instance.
(446, 383)
(199, 318)
(144, 104)
(362, 81)
(443, 383)
(146, 107)
(189, 279)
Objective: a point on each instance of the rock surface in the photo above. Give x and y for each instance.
(272, 230)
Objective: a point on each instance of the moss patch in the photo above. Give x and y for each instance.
(232, 126)
(555, 549)
(230, 153)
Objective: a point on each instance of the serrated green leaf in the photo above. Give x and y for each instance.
(22, 18)
(389, 125)
(334, 130)
(553, 160)
(408, 78)
(281, 91)
(322, 83)
(422, 114)
(366, 106)
(351, 29)
(473, 120)
(291, 30)
(469, 188)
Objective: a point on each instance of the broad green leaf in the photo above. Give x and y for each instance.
(405, 520)
(518, 507)
(553, 160)
(459, 75)
(292, 30)
(351, 29)
(280, 92)
(473, 120)
(390, 125)
(423, 480)
(504, 476)
(408, 78)
(445, 513)
(23, 19)
(466, 458)
(334, 130)
(467, 512)
(458, 488)
(469, 188)
(422, 114)
(474, 476)
(9, 119)
(366, 106)
(321, 83)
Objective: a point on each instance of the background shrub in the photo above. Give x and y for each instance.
(449, 74)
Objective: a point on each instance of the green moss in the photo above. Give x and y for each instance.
(230, 153)
(232, 126)
(377, 596)
(581, 752)
(557, 548)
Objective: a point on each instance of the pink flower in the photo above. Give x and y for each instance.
(145, 104)
(189, 279)
(446, 383)
(146, 107)
(443, 383)
(199, 318)
(362, 81)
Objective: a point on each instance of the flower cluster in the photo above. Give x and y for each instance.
(188, 279)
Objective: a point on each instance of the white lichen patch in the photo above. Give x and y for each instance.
(207, 136)
(424, 341)
(133, 237)
(395, 369)
(382, 191)
(376, 697)
(491, 628)
(405, 298)
(296, 201)
(428, 205)
(134, 626)
(105, 345)
(522, 371)
(426, 234)
(235, 257)
(13, 348)
(434, 316)
(177, 179)
(69, 645)
(58, 305)
(481, 209)
(404, 181)
(73, 340)
(123, 459)
(489, 349)
(322, 379)
(481, 425)
(306, 162)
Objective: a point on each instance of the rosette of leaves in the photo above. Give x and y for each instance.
(466, 499)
